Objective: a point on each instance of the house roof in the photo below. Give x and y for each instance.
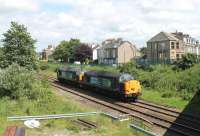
(111, 44)
(163, 36)
(114, 43)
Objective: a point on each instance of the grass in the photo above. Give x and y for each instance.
(69, 127)
(156, 97)
(187, 106)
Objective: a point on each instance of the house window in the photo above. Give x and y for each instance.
(172, 45)
(110, 54)
(181, 55)
(114, 53)
(177, 46)
(107, 53)
(177, 56)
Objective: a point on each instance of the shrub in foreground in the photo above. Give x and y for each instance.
(17, 82)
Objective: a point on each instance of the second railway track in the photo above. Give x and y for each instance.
(160, 116)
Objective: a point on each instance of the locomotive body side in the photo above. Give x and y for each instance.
(118, 85)
(113, 84)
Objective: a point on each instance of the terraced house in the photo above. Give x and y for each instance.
(168, 47)
(116, 51)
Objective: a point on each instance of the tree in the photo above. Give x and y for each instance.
(83, 53)
(65, 50)
(18, 47)
(59, 53)
(1, 55)
(187, 61)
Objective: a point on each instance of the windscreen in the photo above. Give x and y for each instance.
(125, 77)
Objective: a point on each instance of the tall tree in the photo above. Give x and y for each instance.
(83, 53)
(59, 53)
(65, 50)
(18, 47)
(1, 55)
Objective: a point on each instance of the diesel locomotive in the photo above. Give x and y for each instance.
(116, 85)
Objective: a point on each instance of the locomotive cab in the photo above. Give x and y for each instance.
(131, 87)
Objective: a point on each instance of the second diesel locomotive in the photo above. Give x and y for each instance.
(118, 85)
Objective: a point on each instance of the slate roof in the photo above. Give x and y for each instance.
(114, 43)
(163, 36)
(111, 45)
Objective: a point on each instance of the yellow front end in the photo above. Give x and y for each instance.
(81, 76)
(132, 88)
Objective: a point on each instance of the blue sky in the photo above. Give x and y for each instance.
(50, 21)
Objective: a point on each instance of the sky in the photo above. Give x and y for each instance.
(92, 21)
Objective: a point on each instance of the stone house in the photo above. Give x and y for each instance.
(168, 47)
(116, 51)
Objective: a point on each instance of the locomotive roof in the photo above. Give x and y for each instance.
(103, 73)
(72, 69)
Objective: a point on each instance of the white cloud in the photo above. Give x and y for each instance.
(18, 5)
(95, 20)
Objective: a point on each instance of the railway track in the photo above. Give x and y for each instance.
(86, 123)
(188, 118)
(166, 109)
(166, 118)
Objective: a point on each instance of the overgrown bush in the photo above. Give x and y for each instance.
(17, 82)
(190, 79)
(44, 67)
(187, 61)
(129, 68)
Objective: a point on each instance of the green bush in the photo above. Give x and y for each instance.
(185, 95)
(187, 61)
(129, 68)
(163, 77)
(17, 82)
(44, 67)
